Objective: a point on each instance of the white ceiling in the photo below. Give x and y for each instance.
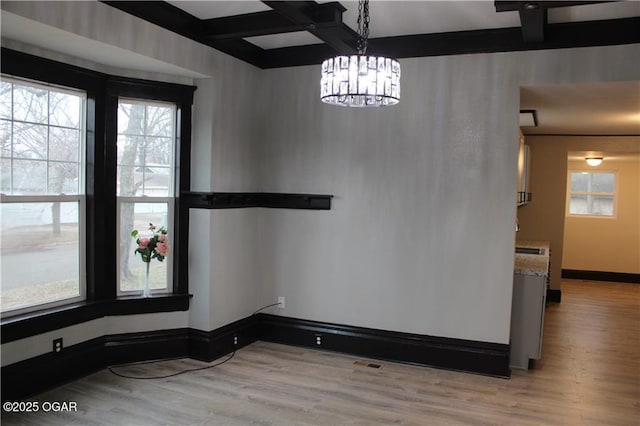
(584, 109)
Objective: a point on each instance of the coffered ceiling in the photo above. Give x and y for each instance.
(272, 34)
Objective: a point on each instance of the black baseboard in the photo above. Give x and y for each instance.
(41, 373)
(453, 354)
(618, 277)
(146, 346)
(210, 345)
(554, 295)
(34, 375)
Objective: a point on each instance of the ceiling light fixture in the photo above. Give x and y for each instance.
(360, 80)
(594, 161)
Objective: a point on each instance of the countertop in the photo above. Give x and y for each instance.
(532, 264)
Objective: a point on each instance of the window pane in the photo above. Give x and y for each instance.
(64, 144)
(602, 205)
(156, 181)
(5, 176)
(5, 138)
(578, 204)
(132, 268)
(63, 178)
(158, 151)
(39, 246)
(131, 118)
(128, 147)
(30, 104)
(5, 99)
(29, 141)
(602, 182)
(579, 181)
(130, 181)
(29, 177)
(65, 109)
(160, 121)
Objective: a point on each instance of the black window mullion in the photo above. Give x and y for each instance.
(181, 209)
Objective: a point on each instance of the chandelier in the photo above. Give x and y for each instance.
(360, 80)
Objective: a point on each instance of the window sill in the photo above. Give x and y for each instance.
(32, 323)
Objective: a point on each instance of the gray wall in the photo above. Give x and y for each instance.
(420, 238)
(221, 265)
(421, 235)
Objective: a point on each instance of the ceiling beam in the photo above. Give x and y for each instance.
(533, 15)
(513, 6)
(533, 20)
(308, 14)
(559, 36)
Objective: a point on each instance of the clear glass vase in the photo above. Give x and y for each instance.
(146, 292)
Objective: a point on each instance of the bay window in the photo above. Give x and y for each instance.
(85, 158)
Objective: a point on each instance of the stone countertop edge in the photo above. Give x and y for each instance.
(532, 264)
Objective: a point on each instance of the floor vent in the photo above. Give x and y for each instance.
(367, 364)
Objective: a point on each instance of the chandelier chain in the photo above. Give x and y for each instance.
(363, 26)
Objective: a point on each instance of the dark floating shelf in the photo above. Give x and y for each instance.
(236, 200)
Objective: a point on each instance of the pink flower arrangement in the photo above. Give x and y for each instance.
(154, 247)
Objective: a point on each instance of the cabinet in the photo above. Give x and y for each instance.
(527, 318)
(524, 171)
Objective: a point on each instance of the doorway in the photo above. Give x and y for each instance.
(573, 120)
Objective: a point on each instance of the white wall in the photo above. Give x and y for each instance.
(421, 235)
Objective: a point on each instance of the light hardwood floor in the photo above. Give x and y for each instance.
(589, 375)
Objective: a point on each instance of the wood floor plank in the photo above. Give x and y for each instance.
(589, 375)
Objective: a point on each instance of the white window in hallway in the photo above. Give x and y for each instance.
(145, 189)
(592, 193)
(42, 209)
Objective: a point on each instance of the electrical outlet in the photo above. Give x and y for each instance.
(57, 345)
(280, 302)
(235, 340)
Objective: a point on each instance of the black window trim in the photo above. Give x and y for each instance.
(103, 91)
